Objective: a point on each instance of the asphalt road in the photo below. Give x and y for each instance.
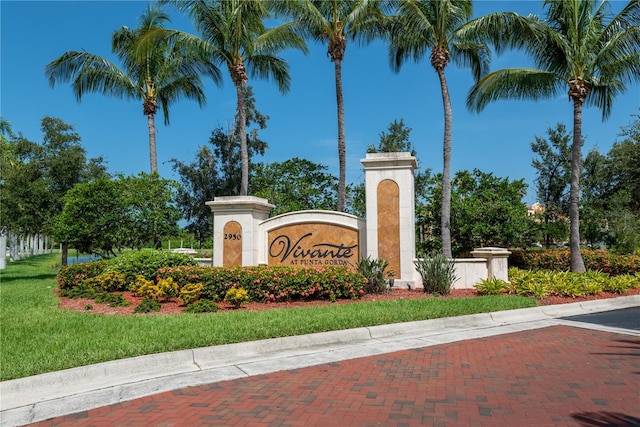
(628, 318)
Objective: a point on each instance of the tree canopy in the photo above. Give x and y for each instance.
(295, 184)
(107, 215)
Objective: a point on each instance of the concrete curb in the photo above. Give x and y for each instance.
(40, 397)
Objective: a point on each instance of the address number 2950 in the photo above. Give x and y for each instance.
(232, 236)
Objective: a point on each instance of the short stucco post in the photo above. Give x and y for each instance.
(497, 261)
(235, 229)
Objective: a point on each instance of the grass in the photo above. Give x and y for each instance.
(37, 337)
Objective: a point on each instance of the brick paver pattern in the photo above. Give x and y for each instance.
(556, 376)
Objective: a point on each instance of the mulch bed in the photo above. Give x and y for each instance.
(174, 307)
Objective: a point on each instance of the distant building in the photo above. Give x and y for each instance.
(535, 209)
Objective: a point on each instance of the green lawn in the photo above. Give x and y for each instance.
(37, 337)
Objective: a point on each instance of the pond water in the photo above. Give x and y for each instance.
(77, 259)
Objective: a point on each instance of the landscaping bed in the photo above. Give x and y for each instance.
(174, 307)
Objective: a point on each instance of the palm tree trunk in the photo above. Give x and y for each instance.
(152, 143)
(577, 264)
(445, 221)
(241, 123)
(342, 187)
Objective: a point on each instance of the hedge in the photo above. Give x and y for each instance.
(559, 260)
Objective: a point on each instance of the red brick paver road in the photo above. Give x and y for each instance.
(556, 376)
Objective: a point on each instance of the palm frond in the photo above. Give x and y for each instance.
(278, 39)
(506, 30)
(602, 94)
(188, 87)
(271, 67)
(90, 73)
(514, 83)
(476, 56)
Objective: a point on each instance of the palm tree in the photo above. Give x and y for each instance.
(423, 26)
(333, 22)
(582, 47)
(157, 76)
(232, 33)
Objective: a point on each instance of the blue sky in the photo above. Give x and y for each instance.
(303, 122)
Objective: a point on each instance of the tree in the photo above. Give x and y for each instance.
(487, 211)
(395, 140)
(553, 166)
(594, 206)
(94, 218)
(625, 164)
(158, 74)
(581, 47)
(433, 26)
(151, 201)
(333, 23)
(107, 215)
(295, 184)
(42, 174)
(232, 33)
(611, 192)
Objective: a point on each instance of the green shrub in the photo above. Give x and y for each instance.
(79, 291)
(145, 288)
(147, 305)
(147, 262)
(111, 281)
(437, 272)
(530, 283)
(202, 306)
(167, 289)
(621, 284)
(375, 272)
(492, 286)
(130, 264)
(140, 284)
(190, 293)
(94, 283)
(114, 300)
(568, 284)
(236, 297)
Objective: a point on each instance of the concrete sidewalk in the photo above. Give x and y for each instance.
(55, 394)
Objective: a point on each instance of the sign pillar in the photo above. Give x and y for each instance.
(235, 229)
(390, 207)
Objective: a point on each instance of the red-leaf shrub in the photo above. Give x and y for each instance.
(559, 260)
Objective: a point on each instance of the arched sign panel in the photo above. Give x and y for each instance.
(389, 233)
(232, 244)
(313, 244)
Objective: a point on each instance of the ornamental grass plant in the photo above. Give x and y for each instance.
(437, 272)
